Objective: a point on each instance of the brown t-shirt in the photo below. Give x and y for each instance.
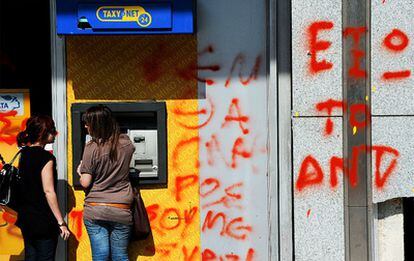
(110, 180)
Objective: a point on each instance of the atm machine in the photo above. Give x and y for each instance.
(145, 124)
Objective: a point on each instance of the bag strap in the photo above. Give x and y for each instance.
(15, 156)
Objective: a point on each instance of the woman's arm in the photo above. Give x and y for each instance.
(49, 189)
(85, 179)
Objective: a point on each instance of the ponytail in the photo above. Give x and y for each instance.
(22, 139)
(38, 129)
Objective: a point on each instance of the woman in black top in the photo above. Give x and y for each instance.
(39, 217)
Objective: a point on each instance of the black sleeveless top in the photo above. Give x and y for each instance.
(35, 218)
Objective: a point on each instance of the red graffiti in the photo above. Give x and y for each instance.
(182, 183)
(189, 216)
(316, 46)
(152, 211)
(359, 109)
(210, 255)
(213, 67)
(228, 228)
(168, 219)
(208, 186)
(329, 106)
(185, 114)
(191, 72)
(229, 197)
(171, 214)
(234, 114)
(356, 110)
(239, 151)
(380, 151)
(180, 147)
(357, 53)
(335, 164)
(192, 256)
(396, 41)
(240, 60)
(396, 75)
(207, 49)
(309, 178)
(213, 145)
(77, 217)
(400, 36)
(7, 134)
(164, 249)
(310, 173)
(153, 64)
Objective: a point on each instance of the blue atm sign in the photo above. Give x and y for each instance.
(145, 16)
(125, 17)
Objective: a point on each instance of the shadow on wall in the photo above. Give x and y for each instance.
(132, 67)
(390, 208)
(142, 248)
(18, 257)
(153, 67)
(71, 203)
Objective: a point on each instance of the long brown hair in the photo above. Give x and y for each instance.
(37, 129)
(103, 127)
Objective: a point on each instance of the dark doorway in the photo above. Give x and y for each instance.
(25, 61)
(408, 207)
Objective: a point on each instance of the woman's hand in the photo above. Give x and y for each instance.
(64, 231)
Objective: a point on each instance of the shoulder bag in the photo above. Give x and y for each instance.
(141, 226)
(10, 180)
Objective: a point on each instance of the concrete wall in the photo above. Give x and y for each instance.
(317, 141)
(392, 106)
(390, 227)
(318, 205)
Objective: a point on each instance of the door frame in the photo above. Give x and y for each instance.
(58, 62)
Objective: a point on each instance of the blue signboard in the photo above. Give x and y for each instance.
(125, 17)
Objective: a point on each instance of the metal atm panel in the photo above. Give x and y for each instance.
(145, 157)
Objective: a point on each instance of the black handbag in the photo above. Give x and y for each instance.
(141, 227)
(10, 180)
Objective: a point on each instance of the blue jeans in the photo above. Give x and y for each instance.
(40, 249)
(108, 239)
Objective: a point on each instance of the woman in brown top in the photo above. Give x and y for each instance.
(104, 171)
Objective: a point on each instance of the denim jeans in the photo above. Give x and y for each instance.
(108, 239)
(40, 249)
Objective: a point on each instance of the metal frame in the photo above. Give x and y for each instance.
(58, 69)
(272, 135)
(284, 130)
(131, 107)
(357, 200)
